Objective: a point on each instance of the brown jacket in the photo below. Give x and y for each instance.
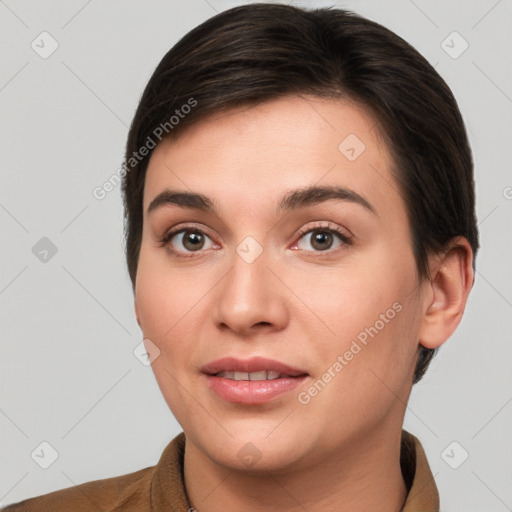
(161, 487)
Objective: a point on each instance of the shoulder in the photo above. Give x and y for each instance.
(159, 487)
(128, 493)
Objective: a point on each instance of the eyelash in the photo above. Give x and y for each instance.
(345, 239)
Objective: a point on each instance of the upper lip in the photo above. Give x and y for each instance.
(254, 364)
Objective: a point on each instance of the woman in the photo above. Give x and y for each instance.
(300, 236)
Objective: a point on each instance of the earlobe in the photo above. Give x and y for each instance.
(451, 281)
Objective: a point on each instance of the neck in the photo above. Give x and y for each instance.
(368, 478)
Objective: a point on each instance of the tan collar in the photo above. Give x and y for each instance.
(168, 487)
(423, 495)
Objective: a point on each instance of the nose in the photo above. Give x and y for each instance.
(251, 299)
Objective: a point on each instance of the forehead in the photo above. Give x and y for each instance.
(260, 152)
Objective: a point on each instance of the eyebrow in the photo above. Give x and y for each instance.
(294, 199)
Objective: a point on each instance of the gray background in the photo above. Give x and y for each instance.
(68, 373)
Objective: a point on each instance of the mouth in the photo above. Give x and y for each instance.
(253, 376)
(252, 381)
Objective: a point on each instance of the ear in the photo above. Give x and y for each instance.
(447, 291)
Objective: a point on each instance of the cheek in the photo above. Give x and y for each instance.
(159, 306)
(170, 306)
(367, 371)
(163, 296)
(150, 293)
(372, 312)
(162, 305)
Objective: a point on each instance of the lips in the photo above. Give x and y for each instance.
(255, 365)
(252, 381)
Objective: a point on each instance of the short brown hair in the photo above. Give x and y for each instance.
(258, 52)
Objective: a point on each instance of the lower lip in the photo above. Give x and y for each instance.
(252, 391)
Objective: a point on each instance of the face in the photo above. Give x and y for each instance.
(265, 277)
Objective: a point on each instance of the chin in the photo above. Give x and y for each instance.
(252, 450)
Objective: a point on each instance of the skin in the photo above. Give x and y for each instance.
(294, 303)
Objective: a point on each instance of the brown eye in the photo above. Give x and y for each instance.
(322, 240)
(193, 240)
(187, 241)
